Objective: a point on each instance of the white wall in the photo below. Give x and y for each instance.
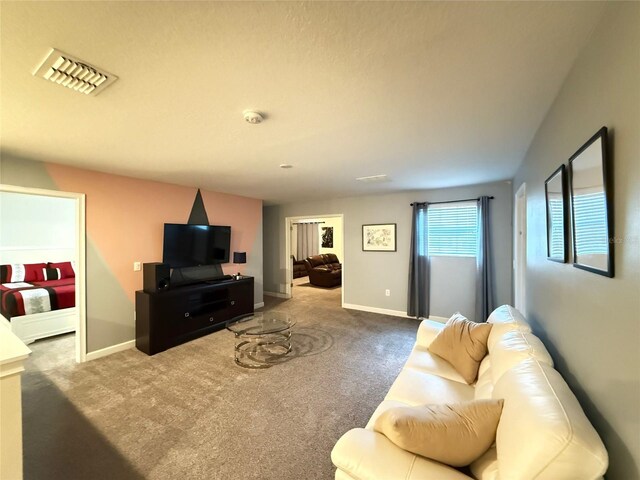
(368, 274)
(591, 323)
(36, 228)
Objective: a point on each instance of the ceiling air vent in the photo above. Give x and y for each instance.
(73, 73)
(374, 179)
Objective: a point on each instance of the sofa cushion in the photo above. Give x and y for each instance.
(417, 388)
(427, 331)
(315, 260)
(423, 360)
(485, 365)
(486, 467)
(514, 347)
(543, 432)
(365, 454)
(331, 258)
(454, 434)
(462, 343)
(484, 384)
(505, 319)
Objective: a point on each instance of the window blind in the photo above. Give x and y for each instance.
(557, 227)
(590, 223)
(452, 229)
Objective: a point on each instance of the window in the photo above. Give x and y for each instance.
(452, 229)
(591, 223)
(556, 212)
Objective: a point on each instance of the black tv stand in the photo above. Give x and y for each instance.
(169, 318)
(224, 278)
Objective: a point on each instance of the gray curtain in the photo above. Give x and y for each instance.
(418, 298)
(484, 276)
(308, 240)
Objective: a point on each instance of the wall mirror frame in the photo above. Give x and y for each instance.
(555, 192)
(592, 206)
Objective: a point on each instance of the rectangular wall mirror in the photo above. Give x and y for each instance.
(591, 206)
(555, 191)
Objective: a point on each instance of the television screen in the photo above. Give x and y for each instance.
(193, 245)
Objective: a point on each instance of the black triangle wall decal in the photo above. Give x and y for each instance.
(198, 212)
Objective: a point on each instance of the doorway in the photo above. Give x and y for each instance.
(330, 239)
(75, 254)
(520, 249)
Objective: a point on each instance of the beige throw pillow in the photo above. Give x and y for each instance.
(454, 434)
(463, 344)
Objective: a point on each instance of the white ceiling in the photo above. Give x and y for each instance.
(432, 94)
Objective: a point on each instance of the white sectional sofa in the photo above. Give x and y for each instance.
(543, 433)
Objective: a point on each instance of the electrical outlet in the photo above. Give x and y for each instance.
(387, 292)
(137, 266)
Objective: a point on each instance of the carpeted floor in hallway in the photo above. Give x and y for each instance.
(191, 413)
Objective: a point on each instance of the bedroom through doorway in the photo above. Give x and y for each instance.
(42, 270)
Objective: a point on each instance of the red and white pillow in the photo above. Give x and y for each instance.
(67, 269)
(36, 272)
(51, 273)
(22, 272)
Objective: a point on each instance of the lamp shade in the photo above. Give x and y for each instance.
(239, 257)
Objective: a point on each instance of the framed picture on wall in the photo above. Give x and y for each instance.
(327, 237)
(555, 191)
(379, 237)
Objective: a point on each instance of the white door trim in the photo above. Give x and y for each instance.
(520, 249)
(287, 253)
(81, 298)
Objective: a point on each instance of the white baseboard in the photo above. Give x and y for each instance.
(276, 294)
(112, 349)
(382, 311)
(438, 319)
(385, 311)
(258, 305)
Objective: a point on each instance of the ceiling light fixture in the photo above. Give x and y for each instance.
(252, 117)
(286, 165)
(374, 179)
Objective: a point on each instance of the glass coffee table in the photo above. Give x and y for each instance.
(262, 338)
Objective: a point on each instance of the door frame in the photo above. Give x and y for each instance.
(287, 250)
(520, 249)
(80, 258)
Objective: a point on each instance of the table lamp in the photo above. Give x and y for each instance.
(239, 258)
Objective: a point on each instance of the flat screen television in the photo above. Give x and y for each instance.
(194, 245)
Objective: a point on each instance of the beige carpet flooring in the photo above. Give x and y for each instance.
(191, 413)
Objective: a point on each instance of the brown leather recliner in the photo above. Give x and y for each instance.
(325, 270)
(299, 268)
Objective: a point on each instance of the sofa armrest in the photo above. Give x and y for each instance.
(365, 454)
(427, 331)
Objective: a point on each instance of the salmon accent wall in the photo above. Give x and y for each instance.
(125, 218)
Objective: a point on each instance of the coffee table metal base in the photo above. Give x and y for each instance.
(262, 351)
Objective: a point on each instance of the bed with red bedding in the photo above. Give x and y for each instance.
(27, 298)
(38, 300)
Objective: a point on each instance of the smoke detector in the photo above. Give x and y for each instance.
(73, 73)
(252, 117)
